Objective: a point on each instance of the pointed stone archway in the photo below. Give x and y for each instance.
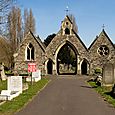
(67, 59)
(50, 67)
(84, 67)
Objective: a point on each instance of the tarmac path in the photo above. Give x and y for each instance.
(68, 96)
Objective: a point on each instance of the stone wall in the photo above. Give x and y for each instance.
(97, 60)
(21, 64)
(42, 54)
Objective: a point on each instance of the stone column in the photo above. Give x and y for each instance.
(78, 65)
(54, 68)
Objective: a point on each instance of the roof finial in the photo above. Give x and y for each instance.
(67, 10)
(103, 27)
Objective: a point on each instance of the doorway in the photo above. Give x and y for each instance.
(50, 67)
(67, 60)
(84, 67)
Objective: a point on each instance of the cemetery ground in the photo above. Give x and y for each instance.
(105, 92)
(10, 107)
(68, 95)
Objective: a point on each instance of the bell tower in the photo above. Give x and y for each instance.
(67, 26)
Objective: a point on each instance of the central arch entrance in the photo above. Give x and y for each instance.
(67, 60)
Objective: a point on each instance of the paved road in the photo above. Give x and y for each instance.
(68, 96)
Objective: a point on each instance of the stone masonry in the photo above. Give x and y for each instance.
(100, 51)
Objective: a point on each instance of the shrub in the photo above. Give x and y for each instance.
(98, 71)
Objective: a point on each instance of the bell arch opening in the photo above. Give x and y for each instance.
(67, 60)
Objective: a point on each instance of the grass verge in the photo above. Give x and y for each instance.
(3, 85)
(105, 93)
(10, 107)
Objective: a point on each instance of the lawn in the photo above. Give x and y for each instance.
(10, 107)
(105, 93)
(3, 85)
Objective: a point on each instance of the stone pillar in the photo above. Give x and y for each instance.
(54, 68)
(78, 65)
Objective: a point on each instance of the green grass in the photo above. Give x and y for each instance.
(105, 93)
(10, 107)
(3, 85)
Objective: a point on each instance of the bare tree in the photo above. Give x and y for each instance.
(15, 27)
(19, 26)
(14, 36)
(5, 6)
(72, 18)
(6, 53)
(29, 21)
(26, 22)
(32, 21)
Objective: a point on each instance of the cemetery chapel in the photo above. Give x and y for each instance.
(66, 53)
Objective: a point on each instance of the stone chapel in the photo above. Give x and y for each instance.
(50, 59)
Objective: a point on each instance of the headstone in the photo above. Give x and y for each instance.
(15, 83)
(36, 75)
(108, 74)
(3, 76)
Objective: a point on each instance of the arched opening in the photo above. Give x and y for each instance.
(50, 66)
(84, 67)
(67, 31)
(67, 60)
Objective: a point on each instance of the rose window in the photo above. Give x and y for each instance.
(103, 50)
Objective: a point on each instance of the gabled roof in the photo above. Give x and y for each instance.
(103, 32)
(37, 39)
(69, 19)
(80, 39)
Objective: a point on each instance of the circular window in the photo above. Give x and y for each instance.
(103, 50)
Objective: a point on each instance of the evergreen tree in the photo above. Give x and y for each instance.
(49, 39)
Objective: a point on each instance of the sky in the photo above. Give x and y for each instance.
(90, 16)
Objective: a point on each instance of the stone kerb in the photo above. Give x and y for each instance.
(108, 75)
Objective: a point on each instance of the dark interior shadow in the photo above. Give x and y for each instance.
(110, 94)
(89, 86)
(86, 86)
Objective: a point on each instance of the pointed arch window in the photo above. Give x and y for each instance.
(67, 31)
(30, 52)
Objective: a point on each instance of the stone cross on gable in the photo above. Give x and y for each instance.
(67, 10)
(103, 27)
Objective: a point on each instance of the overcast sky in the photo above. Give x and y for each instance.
(90, 16)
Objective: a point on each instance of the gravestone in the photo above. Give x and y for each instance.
(15, 83)
(108, 74)
(14, 88)
(3, 76)
(36, 76)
